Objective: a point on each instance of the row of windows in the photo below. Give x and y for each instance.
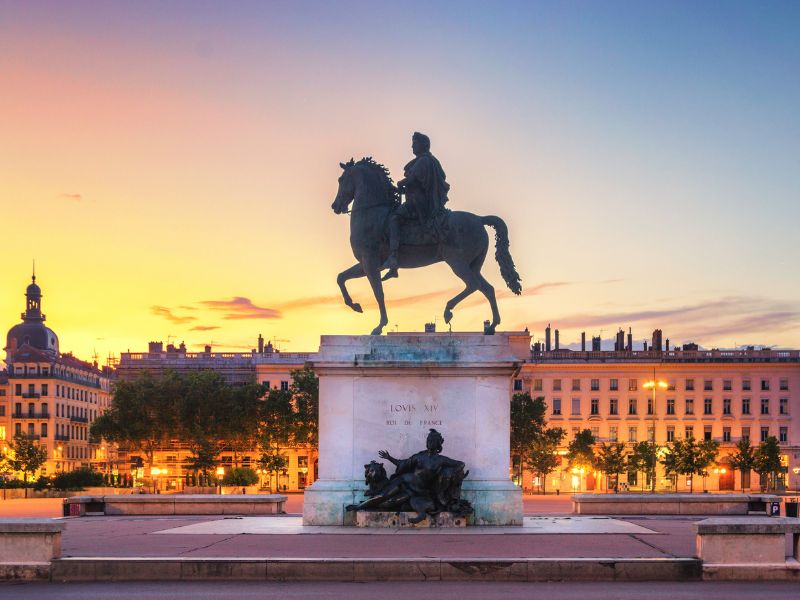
(62, 391)
(688, 406)
(633, 433)
(65, 432)
(633, 385)
(62, 410)
(23, 370)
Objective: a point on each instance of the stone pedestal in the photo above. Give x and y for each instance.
(402, 520)
(386, 392)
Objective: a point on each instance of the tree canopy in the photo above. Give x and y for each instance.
(768, 461)
(611, 461)
(580, 451)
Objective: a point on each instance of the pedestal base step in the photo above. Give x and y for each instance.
(402, 520)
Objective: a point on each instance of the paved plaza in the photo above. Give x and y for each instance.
(400, 591)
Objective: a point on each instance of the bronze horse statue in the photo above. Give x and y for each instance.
(462, 244)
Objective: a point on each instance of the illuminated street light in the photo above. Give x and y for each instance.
(654, 384)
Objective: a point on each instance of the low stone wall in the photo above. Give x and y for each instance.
(16, 493)
(178, 504)
(27, 546)
(671, 504)
(747, 548)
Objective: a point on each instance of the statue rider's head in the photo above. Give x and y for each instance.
(420, 143)
(434, 442)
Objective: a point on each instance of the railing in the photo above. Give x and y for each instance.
(79, 419)
(30, 415)
(31, 395)
(59, 437)
(670, 356)
(180, 357)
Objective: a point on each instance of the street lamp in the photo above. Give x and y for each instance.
(220, 475)
(654, 384)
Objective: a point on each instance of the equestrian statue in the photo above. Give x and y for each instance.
(386, 234)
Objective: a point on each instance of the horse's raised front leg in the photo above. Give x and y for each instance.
(353, 272)
(372, 269)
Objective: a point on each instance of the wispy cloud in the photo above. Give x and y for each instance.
(204, 327)
(72, 197)
(240, 307)
(163, 311)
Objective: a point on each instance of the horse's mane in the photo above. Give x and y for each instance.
(381, 171)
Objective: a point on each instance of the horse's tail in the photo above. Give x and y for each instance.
(501, 253)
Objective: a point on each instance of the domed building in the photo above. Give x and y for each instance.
(32, 331)
(52, 397)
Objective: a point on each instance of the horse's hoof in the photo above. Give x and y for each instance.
(489, 330)
(378, 330)
(357, 307)
(448, 315)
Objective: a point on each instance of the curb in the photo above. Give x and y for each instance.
(361, 570)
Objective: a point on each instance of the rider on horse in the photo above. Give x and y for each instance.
(426, 194)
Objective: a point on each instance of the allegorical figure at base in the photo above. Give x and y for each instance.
(427, 483)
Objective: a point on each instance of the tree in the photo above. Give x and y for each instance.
(580, 451)
(643, 459)
(541, 456)
(273, 464)
(240, 477)
(611, 461)
(204, 457)
(305, 396)
(25, 456)
(143, 413)
(688, 457)
(205, 412)
(527, 423)
(768, 461)
(278, 431)
(743, 459)
(238, 418)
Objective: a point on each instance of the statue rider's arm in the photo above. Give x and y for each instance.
(417, 172)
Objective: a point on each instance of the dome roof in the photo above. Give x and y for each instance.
(33, 289)
(36, 334)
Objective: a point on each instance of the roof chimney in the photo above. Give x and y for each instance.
(260, 344)
(547, 338)
(583, 341)
(557, 345)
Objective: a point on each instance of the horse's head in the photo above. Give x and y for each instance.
(347, 189)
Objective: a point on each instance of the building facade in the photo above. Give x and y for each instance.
(53, 397)
(262, 365)
(719, 395)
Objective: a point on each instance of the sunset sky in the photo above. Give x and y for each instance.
(170, 165)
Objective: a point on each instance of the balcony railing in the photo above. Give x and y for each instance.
(31, 415)
(30, 436)
(79, 419)
(31, 395)
(61, 437)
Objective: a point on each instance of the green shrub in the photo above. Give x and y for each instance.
(14, 483)
(78, 479)
(42, 483)
(240, 476)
